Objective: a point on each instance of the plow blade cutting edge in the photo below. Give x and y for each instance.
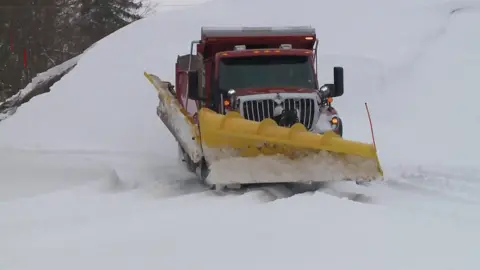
(176, 119)
(263, 152)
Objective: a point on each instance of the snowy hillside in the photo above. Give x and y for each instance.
(89, 177)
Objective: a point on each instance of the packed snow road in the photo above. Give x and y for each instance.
(31, 173)
(124, 211)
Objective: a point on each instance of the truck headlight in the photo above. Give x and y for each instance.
(334, 122)
(325, 90)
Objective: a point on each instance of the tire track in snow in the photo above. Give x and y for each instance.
(265, 193)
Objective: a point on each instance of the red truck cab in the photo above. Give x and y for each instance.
(262, 72)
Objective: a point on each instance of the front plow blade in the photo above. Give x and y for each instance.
(177, 120)
(243, 151)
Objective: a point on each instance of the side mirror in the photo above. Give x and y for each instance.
(335, 89)
(194, 85)
(338, 82)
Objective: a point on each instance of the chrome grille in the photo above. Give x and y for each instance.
(257, 110)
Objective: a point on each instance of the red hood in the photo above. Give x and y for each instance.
(270, 90)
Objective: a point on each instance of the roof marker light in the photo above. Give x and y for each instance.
(240, 47)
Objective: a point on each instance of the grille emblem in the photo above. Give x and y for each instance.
(278, 99)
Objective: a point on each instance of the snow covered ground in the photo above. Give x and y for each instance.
(89, 175)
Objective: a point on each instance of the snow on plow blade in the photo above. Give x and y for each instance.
(263, 152)
(176, 119)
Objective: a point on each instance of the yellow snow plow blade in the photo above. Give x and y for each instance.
(231, 136)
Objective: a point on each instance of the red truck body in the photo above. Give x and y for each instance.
(217, 43)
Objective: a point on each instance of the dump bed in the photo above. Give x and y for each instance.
(218, 39)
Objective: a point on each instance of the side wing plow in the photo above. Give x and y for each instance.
(176, 119)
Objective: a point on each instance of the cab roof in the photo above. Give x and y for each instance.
(215, 32)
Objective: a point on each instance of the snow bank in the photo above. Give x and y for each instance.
(440, 96)
(42, 80)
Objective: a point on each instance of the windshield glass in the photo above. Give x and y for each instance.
(266, 71)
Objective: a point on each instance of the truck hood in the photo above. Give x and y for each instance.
(272, 90)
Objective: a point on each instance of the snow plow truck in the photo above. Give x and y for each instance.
(246, 108)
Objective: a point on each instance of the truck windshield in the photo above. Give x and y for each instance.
(266, 71)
